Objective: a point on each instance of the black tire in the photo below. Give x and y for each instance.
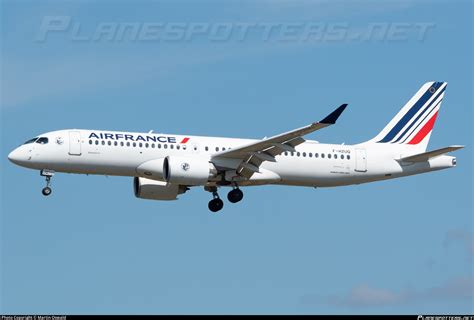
(235, 195)
(216, 205)
(46, 191)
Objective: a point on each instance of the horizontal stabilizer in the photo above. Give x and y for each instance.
(430, 154)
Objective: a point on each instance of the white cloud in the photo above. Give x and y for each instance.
(364, 296)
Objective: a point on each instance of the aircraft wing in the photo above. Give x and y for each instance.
(430, 154)
(254, 154)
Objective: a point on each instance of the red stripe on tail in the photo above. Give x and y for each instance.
(425, 130)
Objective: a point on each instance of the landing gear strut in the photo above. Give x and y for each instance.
(216, 204)
(235, 195)
(48, 174)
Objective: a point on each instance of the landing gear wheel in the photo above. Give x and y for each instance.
(216, 205)
(235, 195)
(46, 191)
(48, 174)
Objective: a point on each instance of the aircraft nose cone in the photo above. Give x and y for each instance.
(15, 156)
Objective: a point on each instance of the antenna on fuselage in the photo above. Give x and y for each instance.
(151, 131)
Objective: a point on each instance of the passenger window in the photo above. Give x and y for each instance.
(109, 143)
(342, 156)
(103, 142)
(147, 145)
(348, 157)
(165, 146)
(304, 154)
(316, 155)
(178, 147)
(298, 154)
(134, 144)
(329, 156)
(310, 155)
(223, 149)
(286, 153)
(153, 146)
(335, 156)
(159, 145)
(171, 146)
(206, 148)
(115, 143)
(42, 140)
(90, 141)
(128, 144)
(217, 148)
(322, 155)
(184, 147)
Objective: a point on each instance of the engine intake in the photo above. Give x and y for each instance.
(188, 171)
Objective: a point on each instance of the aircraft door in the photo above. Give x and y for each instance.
(361, 160)
(75, 143)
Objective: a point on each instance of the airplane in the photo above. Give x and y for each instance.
(164, 166)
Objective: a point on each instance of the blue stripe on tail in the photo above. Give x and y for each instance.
(420, 115)
(422, 121)
(416, 107)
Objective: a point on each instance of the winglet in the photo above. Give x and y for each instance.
(331, 119)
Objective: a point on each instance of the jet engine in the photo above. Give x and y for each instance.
(152, 169)
(188, 171)
(156, 190)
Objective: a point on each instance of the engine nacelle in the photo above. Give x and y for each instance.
(188, 171)
(156, 190)
(152, 169)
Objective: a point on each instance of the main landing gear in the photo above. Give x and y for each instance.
(48, 174)
(235, 195)
(216, 204)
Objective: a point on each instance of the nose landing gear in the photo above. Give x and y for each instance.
(48, 174)
(46, 191)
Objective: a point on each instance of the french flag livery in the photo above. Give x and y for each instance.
(164, 167)
(415, 121)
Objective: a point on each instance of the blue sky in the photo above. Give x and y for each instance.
(401, 246)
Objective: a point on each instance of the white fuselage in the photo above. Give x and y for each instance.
(313, 164)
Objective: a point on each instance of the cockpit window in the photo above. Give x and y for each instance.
(31, 140)
(42, 140)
